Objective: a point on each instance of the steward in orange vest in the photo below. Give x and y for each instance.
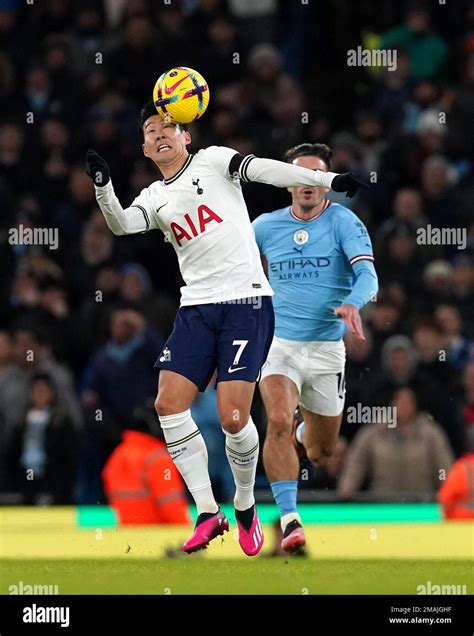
(140, 479)
(456, 495)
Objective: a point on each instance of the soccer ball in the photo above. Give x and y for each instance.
(181, 95)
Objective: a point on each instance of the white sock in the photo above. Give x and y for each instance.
(299, 433)
(188, 451)
(242, 452)
(291, 516)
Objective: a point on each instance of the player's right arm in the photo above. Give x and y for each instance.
(121, 221)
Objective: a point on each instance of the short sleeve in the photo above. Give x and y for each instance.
(219, 157)
(354, 238)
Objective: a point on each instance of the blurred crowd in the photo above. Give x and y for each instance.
(81, 325)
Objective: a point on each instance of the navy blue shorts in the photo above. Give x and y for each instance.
(232, 337)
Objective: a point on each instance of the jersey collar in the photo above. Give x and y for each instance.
(180, 172)
(316, 216)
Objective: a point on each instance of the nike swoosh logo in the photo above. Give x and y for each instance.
(161, 206)
(236, 369)
(170, 89)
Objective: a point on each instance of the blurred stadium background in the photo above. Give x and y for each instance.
(73, 75)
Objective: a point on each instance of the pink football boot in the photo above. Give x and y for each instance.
(251, 541)
(205, 531)
(293, 537)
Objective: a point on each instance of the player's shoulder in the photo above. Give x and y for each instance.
(149, 195)
(216, 153)
(337, 211)
(215, 158)
(342, 217)
(156, 188)
(268, 218)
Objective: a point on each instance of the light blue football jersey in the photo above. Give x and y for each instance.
(311, 267)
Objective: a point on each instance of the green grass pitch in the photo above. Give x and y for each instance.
(197, 574)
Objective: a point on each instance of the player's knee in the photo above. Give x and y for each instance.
(163, 405)
(232, 423)
(319, 455)
(279, 425)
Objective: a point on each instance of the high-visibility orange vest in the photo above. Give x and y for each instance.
(456, 495)
(142, 483)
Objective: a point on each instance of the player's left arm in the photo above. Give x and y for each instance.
(232, 164)
(356, 245)
(287, 175)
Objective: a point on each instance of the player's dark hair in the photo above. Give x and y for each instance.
(309, 150)
(148, 111)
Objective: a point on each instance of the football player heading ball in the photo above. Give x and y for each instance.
(225, 321)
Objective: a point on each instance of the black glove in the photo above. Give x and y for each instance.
(97, 168)
(347, 183)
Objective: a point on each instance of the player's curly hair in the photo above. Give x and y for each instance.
(322, 151)
(148, 111)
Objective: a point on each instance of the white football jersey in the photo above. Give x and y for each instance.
(201, 211)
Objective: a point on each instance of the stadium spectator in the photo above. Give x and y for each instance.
(456, 495)
(427, 51)
(462, 286)
(158, 308)
(361, 363)
(32, 354)
(398, 360)
(94, 250)
(37, 97)
(43, 448)
(393, 93)
(87, 36)
(399, 257)
(218, 55)
(140, 479)
(54, 157)
(428, 341)
(94, 313)
(383, 318)
(130, 61)
(16, 169)
(436, 381)
(371, 143)
(407, 209)
(273, 100)
(72, 213)
(441, 206)
(255, 18)
(466, 402)
(7, 372)
(402, 462)
(459, 349)
(119, 377)
(437, 283)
